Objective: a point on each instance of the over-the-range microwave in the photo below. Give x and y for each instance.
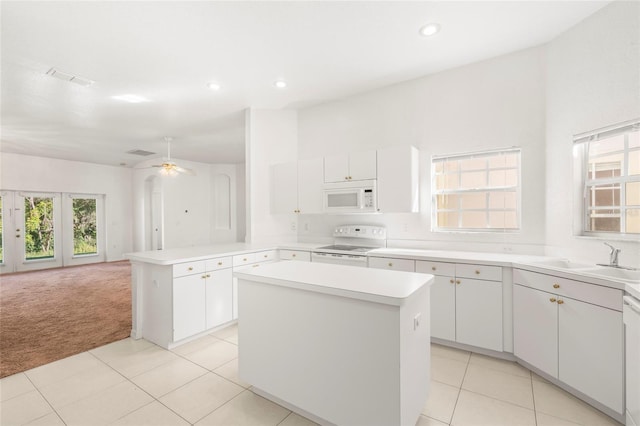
(350, 197)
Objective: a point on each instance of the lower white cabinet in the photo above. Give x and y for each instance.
(407, 265)
(579, 342)
(250, 260)
(466, 303)
(300, 255)
(189, 316)
(202, 300)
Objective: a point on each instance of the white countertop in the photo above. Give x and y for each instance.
(374, 285)
(191, 254)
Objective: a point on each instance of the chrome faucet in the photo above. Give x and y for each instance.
(613, 255)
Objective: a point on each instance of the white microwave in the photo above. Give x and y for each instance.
(350, 197)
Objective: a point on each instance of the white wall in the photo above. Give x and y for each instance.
(593, 80)
(271, 138)
(491, 104)
(188, 208)
(29, 173)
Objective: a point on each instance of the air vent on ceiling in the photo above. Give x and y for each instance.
(141, 152)
(69, 77)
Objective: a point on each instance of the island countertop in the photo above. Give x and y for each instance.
(375, 285)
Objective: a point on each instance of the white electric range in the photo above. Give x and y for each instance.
(351, 244)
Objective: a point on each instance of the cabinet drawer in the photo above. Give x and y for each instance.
(188, 268)
(265, 256)
(218, 263)
(295, 255)
(408, 265)
(436, 268)
(244, 259)
(479, 272)
(590, 293)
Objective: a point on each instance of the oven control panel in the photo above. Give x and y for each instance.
(361, 231)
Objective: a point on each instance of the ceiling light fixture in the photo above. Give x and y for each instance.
(280, 84)
(213, 86)
(131, 98)
(430, 29)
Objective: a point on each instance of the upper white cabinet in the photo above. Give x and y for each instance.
(398, 169)
(296, 187)
(354, 166)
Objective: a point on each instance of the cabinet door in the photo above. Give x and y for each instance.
(443, 308)
(535, 328)
(310, 179)
(219, 297)
(398, 179)
(188, 306)
(479, 313)
(362, 165)
(235, 299)
(591, 346)
(284, 188)
(336, 168)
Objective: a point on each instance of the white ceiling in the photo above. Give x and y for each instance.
(168, 51)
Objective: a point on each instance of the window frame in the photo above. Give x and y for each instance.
(487, 188)
(584, 184)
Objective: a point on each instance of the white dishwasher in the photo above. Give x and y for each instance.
(631, 318)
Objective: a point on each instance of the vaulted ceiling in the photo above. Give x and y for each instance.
(167, 52)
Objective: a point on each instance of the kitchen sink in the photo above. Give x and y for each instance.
(563, 264)
(616, 273)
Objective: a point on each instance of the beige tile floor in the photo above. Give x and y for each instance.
(134, 382)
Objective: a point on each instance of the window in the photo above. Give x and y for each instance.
(85, 226)
(608, 164)
(476, 192)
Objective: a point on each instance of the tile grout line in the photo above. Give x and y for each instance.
(46, 400)
(460, 390)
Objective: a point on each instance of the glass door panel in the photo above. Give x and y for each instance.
(37, 221)
(85, 225)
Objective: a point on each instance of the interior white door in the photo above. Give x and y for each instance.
(8, 233)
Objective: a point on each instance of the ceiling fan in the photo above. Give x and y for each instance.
(168, 167)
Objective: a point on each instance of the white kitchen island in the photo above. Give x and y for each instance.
(338, 344)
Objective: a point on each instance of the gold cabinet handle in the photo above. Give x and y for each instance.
(560, 302)
(433, 268)
(190, 268)
(556, 286)
(477, 272)
(552, 300)
(244, 260)
(390, 264)
(265, 256)
(256, 265)
(219, 263)
(451, 281)
(457, 281)
(293, 255)
(204, 276)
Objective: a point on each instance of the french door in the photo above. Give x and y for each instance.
(48, 230)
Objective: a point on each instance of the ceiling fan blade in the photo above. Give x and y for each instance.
(185, 171)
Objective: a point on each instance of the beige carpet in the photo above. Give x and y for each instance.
(51, 314)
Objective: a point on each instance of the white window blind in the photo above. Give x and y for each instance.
(608, 161)
(476, 191)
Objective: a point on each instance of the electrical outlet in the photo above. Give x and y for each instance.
(416, 321)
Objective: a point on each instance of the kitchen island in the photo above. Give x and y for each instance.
(337, 344)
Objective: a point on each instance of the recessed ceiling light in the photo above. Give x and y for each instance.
(430, 29)
(134, 99)
(213, 86)
(280, 84)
